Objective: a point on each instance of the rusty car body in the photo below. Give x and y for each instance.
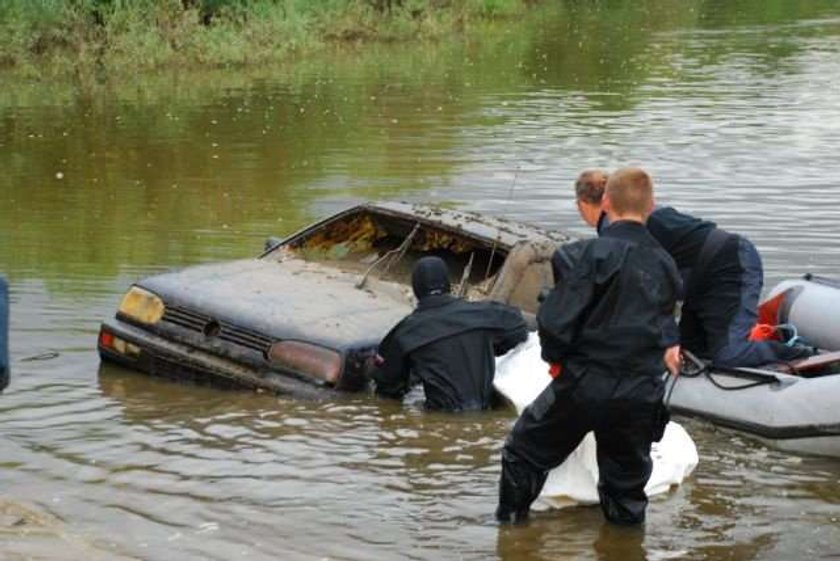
(306, 315)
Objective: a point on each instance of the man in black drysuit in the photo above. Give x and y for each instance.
(610, 327)
(447, 343)
(722, 276)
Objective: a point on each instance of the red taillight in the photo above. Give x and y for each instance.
(322, 363)
(106, 339)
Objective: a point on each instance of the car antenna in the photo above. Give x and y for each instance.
(513, 185)
(399, 252)
(499, 235)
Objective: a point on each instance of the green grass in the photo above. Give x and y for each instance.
(78, 36)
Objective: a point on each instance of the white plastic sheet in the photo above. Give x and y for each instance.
(521, 375)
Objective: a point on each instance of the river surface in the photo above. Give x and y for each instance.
(733, 106)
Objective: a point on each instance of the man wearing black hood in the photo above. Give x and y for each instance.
(447, 343)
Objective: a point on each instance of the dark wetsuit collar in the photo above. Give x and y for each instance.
(629, 230)
(434, 301)
(604, 222)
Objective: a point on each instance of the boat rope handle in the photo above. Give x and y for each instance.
(702, 368)
(794, 337)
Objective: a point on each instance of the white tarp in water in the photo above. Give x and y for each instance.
(521, 375)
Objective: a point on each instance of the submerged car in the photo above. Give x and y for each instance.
(308, 313)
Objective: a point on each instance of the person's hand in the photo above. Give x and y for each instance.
(673, 360)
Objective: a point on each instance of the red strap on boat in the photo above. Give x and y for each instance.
(554, 369)
(768, 319)
(768, 311)
(764, 332)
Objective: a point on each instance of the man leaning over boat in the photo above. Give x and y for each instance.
(722, 276)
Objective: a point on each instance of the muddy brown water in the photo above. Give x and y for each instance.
(733, 106)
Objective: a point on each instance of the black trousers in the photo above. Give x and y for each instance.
(622, 411)
(717, 317)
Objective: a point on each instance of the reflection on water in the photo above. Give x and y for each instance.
(732, 105)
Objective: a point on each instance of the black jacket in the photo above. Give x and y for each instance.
(449, 344)
(614, 310)
(681, 235)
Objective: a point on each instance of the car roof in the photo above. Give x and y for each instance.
(490, 229)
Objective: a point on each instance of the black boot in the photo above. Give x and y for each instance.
(519, 485)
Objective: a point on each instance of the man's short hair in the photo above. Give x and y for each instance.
(590, 185)
(630, 191)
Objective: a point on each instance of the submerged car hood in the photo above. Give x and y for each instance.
(291, 299)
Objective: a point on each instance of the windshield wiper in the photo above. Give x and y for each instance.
(465, 276)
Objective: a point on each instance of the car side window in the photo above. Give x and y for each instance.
(526, 272)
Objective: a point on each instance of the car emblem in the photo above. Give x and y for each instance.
(212, 328)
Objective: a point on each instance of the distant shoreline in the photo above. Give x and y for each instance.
(69, 37)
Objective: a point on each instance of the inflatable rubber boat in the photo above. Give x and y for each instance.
(793, 407)
(521, 375)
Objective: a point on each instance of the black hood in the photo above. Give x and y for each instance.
(294, 299)
(430, 276)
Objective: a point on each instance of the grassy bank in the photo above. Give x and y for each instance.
(57, 36)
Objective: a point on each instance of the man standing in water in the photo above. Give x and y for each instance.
(447, 343)
(608, 331)
(722, 277)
